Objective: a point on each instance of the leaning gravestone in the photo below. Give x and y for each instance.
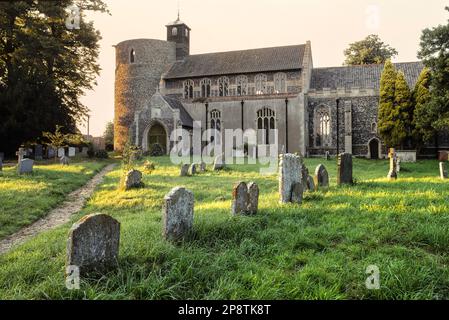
(344, 163)
(178, 213)
(253, 198)
(65, 161)
(133, 180)
(321, 178)
(392, 174)
(240, 199)
(72, 151)
(184, 170)
(25, 166)
(93, 244)
(289, 175)
(192, 169)
(218, 163)
(443, 171)
(310, 183)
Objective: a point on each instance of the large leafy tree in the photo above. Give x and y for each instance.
(371, 50)
(435, 54)
(44, 68)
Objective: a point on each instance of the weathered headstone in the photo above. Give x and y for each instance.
(297, 193)
(72, 152)
(50, 152)
(240, 198)
(178, 213)
(304, 175)
(184, 170)
(192, 169)
(65, 161)
(93, 244)
(310, 183)
(321, 178)
(443, 171)
(218, 163)
(392, 174)
(61, 152)
(327, 156)
(38, 152)
(253, 198)
(25, 166)
(203, 166)
(289, 175)
(133, 180)
(344, 163)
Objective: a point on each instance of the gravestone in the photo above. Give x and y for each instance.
(218, 163)
(38, 152)
(65, 161)
(304, 175)
(344, 163)
(203, 166)
(133, 180)
(321, 178)
(297, 193)
(240, 199)
(25, 166)
(93, 244)
(50, 152)
(289, 175)
(310, 183)
(61, 152)
(392, 174)
(184, 170)
(178, 213)
(72, 152)
(253, 198)
(327, 156)
(192, 169)
(20, 154)
(443, 170)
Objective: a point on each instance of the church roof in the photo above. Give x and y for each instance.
(236, 62)
(366, 76)
(186, 119)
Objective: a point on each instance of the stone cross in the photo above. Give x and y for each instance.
(392, 174)
(344, 163)
(443, 171)
(240, 199)
(20, 154)
(289, 175)
(321, 177)
(178, 214)
(93, 244)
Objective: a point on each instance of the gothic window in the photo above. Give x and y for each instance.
(215, 123)
(323, 128)
(261, 84)
(205, 85)
(242, 85)
(280, 82)
(188, 89)
(374, 127)
(266, 123)
(223, 86)
(132, 56)
(174, 31)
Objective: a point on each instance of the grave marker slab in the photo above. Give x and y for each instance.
(321, 178)
(289, 175)
(133, 180)
(72, 151)
(178, 214)
(61, 152)
(25, 166)
(38, 152)
(344, 163)
(443, 171)
(184, 170)
(240, 199)
(253, 198)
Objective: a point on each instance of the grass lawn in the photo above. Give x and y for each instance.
(26, 198)
(317, 250)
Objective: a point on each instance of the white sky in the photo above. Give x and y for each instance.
(225, 25)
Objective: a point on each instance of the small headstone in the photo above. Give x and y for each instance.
(178, 213)
(392, 174)
(192, 169)
(65, 161)
(297, 193)
(203, 166)
(344, 164)
(38, 152)
(253, 198)
(321, 177)
(93, 244)
(218, 163)
(289, 175)
(184, 170)
(240, 198)
(25, 166)
(133, 180)
(61, 152)
(310, 183)
(327, 156)
(72, 152)
(443, 171)
(50, 153)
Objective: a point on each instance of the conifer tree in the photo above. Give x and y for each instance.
(402, 111)
(422, 115)
(386, 114)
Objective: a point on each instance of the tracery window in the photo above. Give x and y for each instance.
(261, 83)
(188, 89)
(242, 85)
(174, 31)
(266, 123)
(205, 85)
(323, 128)
(223, 86)
(280, 82)
(215, 123)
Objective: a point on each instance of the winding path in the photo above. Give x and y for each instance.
(57, 216)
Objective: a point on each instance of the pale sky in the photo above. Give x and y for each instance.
(225, 25)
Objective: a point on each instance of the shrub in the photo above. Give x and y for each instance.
(91, 151)
(156, 150)
(149, 166)
(101, 154)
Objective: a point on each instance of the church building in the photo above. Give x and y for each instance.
(160, 86)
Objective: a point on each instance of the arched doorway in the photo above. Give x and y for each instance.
(157, 134)
(374, 149)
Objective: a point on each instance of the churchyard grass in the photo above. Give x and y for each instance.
(317, 250)
(26, 198)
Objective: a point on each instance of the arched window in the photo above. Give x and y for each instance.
(174, 31)
(223, 86)
(188, 89)
(280, 82)
(132, 56)
(261, 83)
(215, 123)
(187, 33)
(266, 122)
(374, 127)
(242, 85)
(323, 128)
(205, 88)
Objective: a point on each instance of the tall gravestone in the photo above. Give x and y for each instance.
(184, 170)
(443, 171)
(344, 169)
(72, 152)
(38, 152)
(289, 175)
(321, 178)
(93, 244)
(392, 173)
(253, 198)
(240, 198)
(178, 214)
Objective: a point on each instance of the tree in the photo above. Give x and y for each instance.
(403, 111)
(422, 114)
(108, 136)
(434, 52)
(386, 117)
(370, 50)
(56, 140)
(44, 68)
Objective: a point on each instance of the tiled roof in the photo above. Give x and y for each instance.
(367, 76)
(186, 119)
(235, 62)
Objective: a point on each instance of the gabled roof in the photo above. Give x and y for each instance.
(365, 76)
(235, 62)
(186, 119)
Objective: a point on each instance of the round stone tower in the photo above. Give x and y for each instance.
(139, 66)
